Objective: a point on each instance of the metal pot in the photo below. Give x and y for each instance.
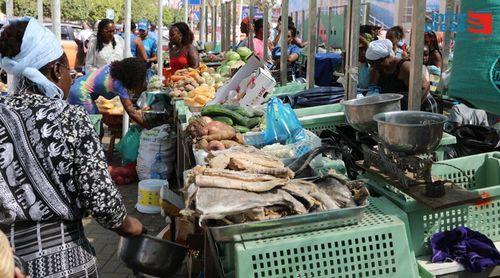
(359, 112)
(151, 255)
(410, 132)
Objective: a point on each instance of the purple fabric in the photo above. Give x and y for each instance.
(472, 249)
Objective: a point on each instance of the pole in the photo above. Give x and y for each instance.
(311, 53)
(223, 20)
(56, 18)
(284, 43)
(318, 24)
(329, 34)
(235, 23)
(9, 8)
(206, 21)
(250, 20)
(450, 5)
(353, 46)
(228, 25)
(214, 23)
(265, 26)
(417, 41)
(126, 28)
(186, 10)
(303, 19)
(39, 8)
(347, 36)
(203, 16)
(160, 38)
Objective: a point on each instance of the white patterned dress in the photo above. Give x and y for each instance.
(52, 171)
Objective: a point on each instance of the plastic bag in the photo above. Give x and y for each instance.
(282, 125)
(128, 147)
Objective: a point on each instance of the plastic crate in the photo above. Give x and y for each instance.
(375, 247)
(482, 176)
(289, 89)
(318, 123)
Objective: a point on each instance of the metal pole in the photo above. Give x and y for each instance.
(228, 25)
(9, 8)
(223, 26)
(160, 38)
(39, 8)
(284, 43)
(214, 24)
(347, 36)
(235, 23)
(328, 35)
(265, 36)
(354, 46)
(250, 19)
(311, 53)
(203, 16)
(417, 41)
(186, 10)
(206, 21)
(303, 19)
(126, 27)
(318, 26)
(56, 18)
(450, 5)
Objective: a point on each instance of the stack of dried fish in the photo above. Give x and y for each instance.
(244, 184)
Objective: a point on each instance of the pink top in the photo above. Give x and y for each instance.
(258, 48)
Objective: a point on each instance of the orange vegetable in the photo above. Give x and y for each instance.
(176, 78)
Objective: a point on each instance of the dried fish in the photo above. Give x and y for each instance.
(303, 191)
(277, 172)
(228, 183)
(237, 175)
(339, 192)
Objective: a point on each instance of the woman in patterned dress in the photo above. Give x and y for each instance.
(52, 166)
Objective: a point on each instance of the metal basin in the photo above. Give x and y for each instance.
(151, 255)
(410, 132)
(360, 112)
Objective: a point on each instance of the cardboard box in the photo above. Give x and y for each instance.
(251, 87)
(171, 203)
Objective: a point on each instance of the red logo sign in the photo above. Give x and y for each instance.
(480, 23)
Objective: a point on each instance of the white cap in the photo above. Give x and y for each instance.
(379, 49)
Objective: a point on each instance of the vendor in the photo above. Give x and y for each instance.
(183, 54)
(116, 79)
(392, 75)
(363, 66)
(105, 48)
(258, 40)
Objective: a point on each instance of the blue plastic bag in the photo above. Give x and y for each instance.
(282, 124)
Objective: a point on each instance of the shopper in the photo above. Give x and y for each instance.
(363, 66)
(435, 55)
(136, 46)
(53, 165)
(183, 54)
(396, 35)
(392, 75)
(149, 43)
(120, 78)
(105, 48)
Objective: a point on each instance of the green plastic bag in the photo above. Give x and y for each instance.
(128, 147)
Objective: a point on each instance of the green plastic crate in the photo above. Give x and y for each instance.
(482, 176)
(375, 247)
(96, 120)
(320, 122)
(289, 89)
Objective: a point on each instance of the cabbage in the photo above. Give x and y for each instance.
(232, 56)
(225, 70)
(244, 52)
(231, 63)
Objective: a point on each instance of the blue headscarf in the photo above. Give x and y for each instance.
(39, 47)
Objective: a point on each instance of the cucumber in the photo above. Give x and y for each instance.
(219, 110)
(252, 122)
(241, 129)
(246, 112)
(225, 120)
(231, 107)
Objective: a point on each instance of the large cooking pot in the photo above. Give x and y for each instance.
(151, 255)
(410, 132)
(359, 112)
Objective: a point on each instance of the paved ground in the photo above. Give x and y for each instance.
(105, 242)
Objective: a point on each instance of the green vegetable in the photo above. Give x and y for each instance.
(225, 120)
(219, 110)
(232, 56)
(244, 111)
(231, 107)
(241, 129)
(244, 52)
(252, 122)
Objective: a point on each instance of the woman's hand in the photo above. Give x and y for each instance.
(19, 274)
(130, 227)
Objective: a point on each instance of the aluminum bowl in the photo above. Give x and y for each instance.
(410, 132)
(359, 112)
(150, 255)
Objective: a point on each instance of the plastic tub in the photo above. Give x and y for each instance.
(148, 199)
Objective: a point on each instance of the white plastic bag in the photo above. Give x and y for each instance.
(160, 140)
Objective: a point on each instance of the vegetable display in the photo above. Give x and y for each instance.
(243, 119)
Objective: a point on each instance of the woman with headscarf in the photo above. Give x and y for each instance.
(183, 54)
(392, 75)
(52, 166)
(105, 48)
